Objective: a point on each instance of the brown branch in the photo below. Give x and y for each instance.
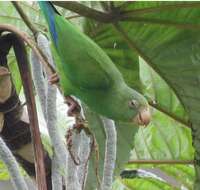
(87, 11)
(161, 162)
(22, 60)
(6, 27)
(72, 17)
(30, 6)
(118, 15)
(25, 73)
(25, 18)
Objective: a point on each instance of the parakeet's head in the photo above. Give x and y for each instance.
(135, 107)
(139, 107)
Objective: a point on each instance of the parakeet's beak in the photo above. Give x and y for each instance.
(143, 117)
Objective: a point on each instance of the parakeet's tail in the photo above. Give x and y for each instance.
(49, 12)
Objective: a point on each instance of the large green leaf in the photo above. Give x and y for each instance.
(159, 94)
(172, 50)
(126, 60)
(165, 139)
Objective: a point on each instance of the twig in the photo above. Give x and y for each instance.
(116, 15)
(25, 18)
(21, 56)
(30, 6)
(86, 11)
(7, 27)
(161, 162)
(73, 16)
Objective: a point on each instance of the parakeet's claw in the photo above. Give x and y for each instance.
(74, 107)
(143, 117)
(54, 79)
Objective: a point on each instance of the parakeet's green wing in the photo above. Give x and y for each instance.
(83, 53)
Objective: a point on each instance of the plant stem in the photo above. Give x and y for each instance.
(25, 18)
(23, 64)
(87, 11)
(73, 16)
(114, 16)
(161, 162)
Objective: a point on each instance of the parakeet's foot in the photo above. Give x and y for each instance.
(54, 79)
(74, 107)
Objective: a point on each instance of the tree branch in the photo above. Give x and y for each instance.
(87, 11)
(120, 15)
(25, 18)
(21, 56)
(161, 162)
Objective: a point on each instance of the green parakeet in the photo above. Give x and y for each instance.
(89, 74)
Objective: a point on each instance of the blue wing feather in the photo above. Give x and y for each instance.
(49, 12)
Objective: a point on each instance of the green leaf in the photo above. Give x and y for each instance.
(123, 57)
(159, 93)
(15, 73)
(165, 139)
(141, 184)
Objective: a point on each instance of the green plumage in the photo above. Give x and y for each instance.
(88, 73)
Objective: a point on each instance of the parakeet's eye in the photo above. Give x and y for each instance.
(133, 104)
